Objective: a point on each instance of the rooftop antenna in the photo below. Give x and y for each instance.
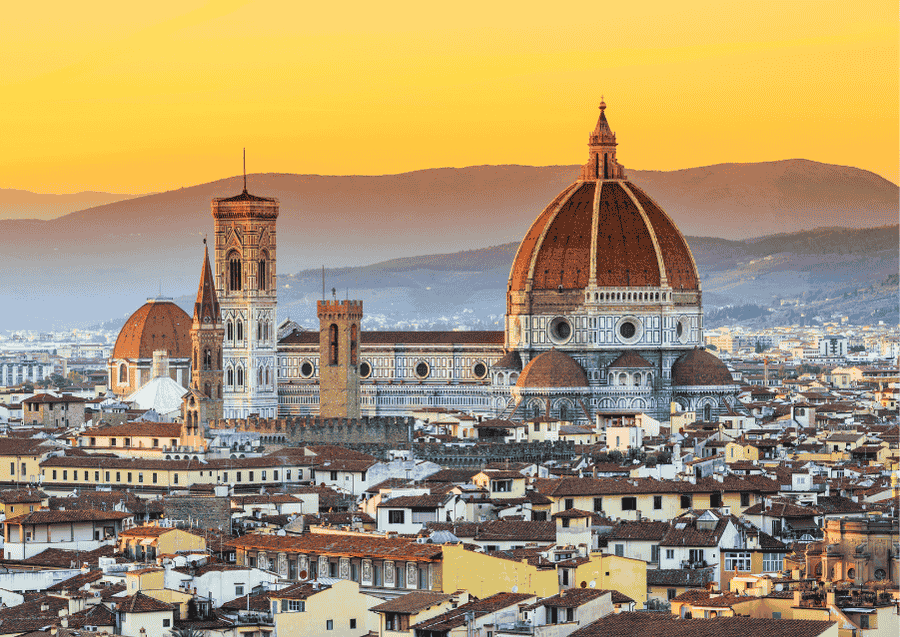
(323, 282)
(245, 170)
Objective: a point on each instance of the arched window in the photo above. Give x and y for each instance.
(123, 373)
(234, 271)
(261, 273)
(229, 331)
(707, 413)
(333, 344)
(649, 378)
(259, 330)
(240, 330)
(240, 376)
(259, 376)
(229, 377)
(207, 389)
(563, 411)
(268, 377)
(219, 391)
(623, 378)
(536, 410)
(219, 357)
(207, 358)
(354, 336)
(637, 378)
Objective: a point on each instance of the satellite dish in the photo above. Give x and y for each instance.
(515, 589)
(303, 574)
(583, 584)
(593, 583)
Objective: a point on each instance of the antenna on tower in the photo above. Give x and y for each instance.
(245, 169)
(323, 282)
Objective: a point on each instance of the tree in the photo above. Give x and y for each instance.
(616, 456)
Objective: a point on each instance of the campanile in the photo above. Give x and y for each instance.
(245, 284)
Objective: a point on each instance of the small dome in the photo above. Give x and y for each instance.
(552, 369)
(510, 360)
(159, 324)
(630, 360)
(699, 367)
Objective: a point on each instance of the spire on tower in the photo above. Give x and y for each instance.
(602, 144)
(245, 171)
(206, 309)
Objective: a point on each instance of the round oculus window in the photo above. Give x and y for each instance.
(560, 330)
(629, 330)
(479, 370)
(365, 370)
(422, 369)
(306, 369)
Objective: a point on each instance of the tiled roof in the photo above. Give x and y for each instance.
(260, 603)
(50, 398)
(639, 531)
(510, 360)
(667, 625)
(77, 581)
(570, 598)
(573, 513)
(302, 590)
(690, 535)
(412, 603)
(499, 530)
(630, 360)
(344, 545)
(141, 603)
(457, 616)
(473, 337)
(699, 367)
(156, 325)
(413, 502)
(19, 496)
(782, 509)
(453, 475)
(78, 515)
(63, 558)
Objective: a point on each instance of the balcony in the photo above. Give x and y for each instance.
(254, 618)
(515, 628)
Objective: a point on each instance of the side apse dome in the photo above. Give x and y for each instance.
(700, 368)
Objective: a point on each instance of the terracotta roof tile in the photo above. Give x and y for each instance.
(337, 544)
(457, 616)
(412, 603)
(667, 625)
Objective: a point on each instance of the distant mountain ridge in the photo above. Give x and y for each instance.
(92, 264)
(24, 204)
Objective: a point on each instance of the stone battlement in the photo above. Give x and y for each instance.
(392, 430)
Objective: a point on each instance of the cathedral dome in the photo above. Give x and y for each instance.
(699, 367)
(159, 324)
(552, 369)
(603, 231)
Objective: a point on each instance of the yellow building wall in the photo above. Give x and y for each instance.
(735, 452)
(178, 599)
(482, 575)
(623, 574)
(145, 582)
(178, 540)
(11, 468)
(340, 603)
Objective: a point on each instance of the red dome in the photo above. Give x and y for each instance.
(157, 325)
(605, 232)
(699, 367)
(552, 369)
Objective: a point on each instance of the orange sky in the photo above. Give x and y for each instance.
(138, 97)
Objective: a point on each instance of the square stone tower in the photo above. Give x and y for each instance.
(339, 332)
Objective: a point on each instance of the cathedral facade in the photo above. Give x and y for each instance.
(603, 314)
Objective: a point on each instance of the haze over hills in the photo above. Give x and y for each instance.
(23, 204)
(103, 262)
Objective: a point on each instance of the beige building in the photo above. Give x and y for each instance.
(340, 610)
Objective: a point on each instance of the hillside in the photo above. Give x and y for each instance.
(102, 262)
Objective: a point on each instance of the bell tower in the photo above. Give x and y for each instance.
(245, 285)
(207, 335)
(339, 333)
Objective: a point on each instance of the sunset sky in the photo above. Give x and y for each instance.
(138, 97)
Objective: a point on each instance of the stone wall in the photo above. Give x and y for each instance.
(380, 430)
(202, 512)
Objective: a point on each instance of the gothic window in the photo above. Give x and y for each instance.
(707, 413)
(196, 365)
(240, 330)
(333, 344)
(229, 331)
(234, 272)
(563, 412)
(207, 358)
(240, 376)
(123, 373)
(219, 392)
(261, 273)
(354, 336)
(268, 377)
(229, 377)
(219, 357)
(259, 330)
(260, 376)
(637, 378)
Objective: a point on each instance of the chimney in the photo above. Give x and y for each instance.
(798, 597)
(829, 597)
(64, 622)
